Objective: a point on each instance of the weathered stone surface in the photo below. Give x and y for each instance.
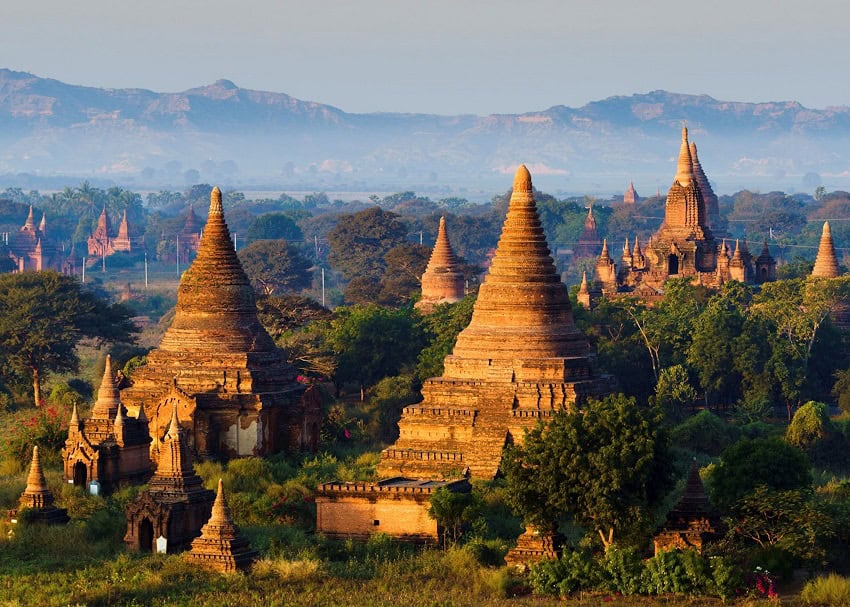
(713, 218)
(692, 523)
(826, 263)
(520, 359)
(220, 546)
(38, 499)
(235, 392)
(533, 546)
(395, 506)
(442, 281)
(109, 447)
(631, 195)
(176, 505)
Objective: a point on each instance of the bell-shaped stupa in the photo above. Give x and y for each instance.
(442, 281)
(826, 263)
(37, 498)
(520, 359)
(236, 393)
(220, 546)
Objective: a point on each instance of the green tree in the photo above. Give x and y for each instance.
(607, 467)
(443, 324)
(674, 391)
(360, 241)
(45, 315)
(760, 461)
(371, 342)
(451, 509)
(274, 226)
(402, 278)
(275, 265)
(281, 314)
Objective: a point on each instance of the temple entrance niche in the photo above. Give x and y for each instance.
(146, 535)
(672, 264)
(80, 474)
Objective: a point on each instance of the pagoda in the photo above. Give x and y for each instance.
(176, 505)
(826, 263)
(37, 499)
(30, 248)
(190, 235)
(631, 195)
(589, 244)
(235, 391)
(109, 447)
(712, 206)
(220, 546)
(442, 281)
(692, 523)
(520, 360)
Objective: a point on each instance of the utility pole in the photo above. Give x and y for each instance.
(178, 256)
(146, 270)
(323, 287)
(84, 270)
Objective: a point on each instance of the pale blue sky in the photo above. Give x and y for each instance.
(442, 56)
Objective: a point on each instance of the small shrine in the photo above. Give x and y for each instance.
(442, 281)
(220, 546)
(176, 505)
(692, 523)
(109, 447)
(37, 499)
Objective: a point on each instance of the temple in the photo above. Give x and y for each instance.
(692, 523)
(110, 447)
(589, 244)
(520, 360)
(220, 546)
(826, 263)
(102, 243)
(442, 281)
(31, 248)
(631, 195)
(190, 236)
(235, 391)
(713, 219)
(176, 505)
(684, 245)
(37, 499)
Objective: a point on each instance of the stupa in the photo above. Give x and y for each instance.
(109, 447)
(442, 281)
(520, 359)
(631, 195)
(712, 206)
(826, 263)
(692, 523)
(38, 499)
(176, 505)
(589, 244)
(220, 546)
(235, 391)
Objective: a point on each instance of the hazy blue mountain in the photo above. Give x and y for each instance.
(228, 133)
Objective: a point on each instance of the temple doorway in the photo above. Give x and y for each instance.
(146, 535)
(672, 265)
(80, 474)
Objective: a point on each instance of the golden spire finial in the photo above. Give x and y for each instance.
(216, 207)
(685, 168)
(522, 179)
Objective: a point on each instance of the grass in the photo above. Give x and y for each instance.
(829, 591)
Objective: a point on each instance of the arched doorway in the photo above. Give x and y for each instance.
(672, 265)
(146, 535)
(80, 474)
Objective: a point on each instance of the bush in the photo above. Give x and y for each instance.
(573, 571)
(623, 569)
(678, 572)
(829, 591)
(812, 431)
(489, 553)
(705, 433)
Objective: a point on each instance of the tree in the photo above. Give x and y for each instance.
(273, 226)
(359, 242)
(280, 314)
(444, 324)
(371, 342)
(275, 265)
(402, 278)
(674, 392)
(607, 467)
(451, 509)
(45, 315)
(760, 461)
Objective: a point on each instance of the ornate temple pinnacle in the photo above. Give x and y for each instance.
(35, 481)
(522, 179)
(826, 263)
(216, 207)
(684, 169)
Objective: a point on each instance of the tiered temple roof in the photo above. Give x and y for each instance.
(236, 393)
(631, 195)
(520, 359)
(589, 244)
(712, 206)
(442, 281)
(692, 522)
(826, 263)
(220, 546)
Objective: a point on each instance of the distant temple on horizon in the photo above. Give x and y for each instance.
(103, 244)
(442, 281)
(31, 247)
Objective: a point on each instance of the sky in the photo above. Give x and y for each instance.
(441, 56)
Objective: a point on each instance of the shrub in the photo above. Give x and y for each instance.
(490, 553)
(829, 591)
(678, 572)
(573, 571)
(623, 569)
(812, 431)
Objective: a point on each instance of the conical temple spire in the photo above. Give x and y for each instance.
(604, 255)
(522, 310)
(220, 546)
(30, 222)
(636, 252)
(107, 395)
(216, 307)
(684, 169)
(42, 226)
(74, 422)
(583, 288)
(174, 469)
(826, 263)
(737, 255)
(693, 500)
(36, 495)
(442, 257)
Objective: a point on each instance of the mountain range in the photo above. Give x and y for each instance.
(226, 134)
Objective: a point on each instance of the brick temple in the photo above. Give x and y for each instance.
(692, 523)
(520, 360)
(103, 242)
(235, 392)
(37, 499)
(442, 281)
(684, 245)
